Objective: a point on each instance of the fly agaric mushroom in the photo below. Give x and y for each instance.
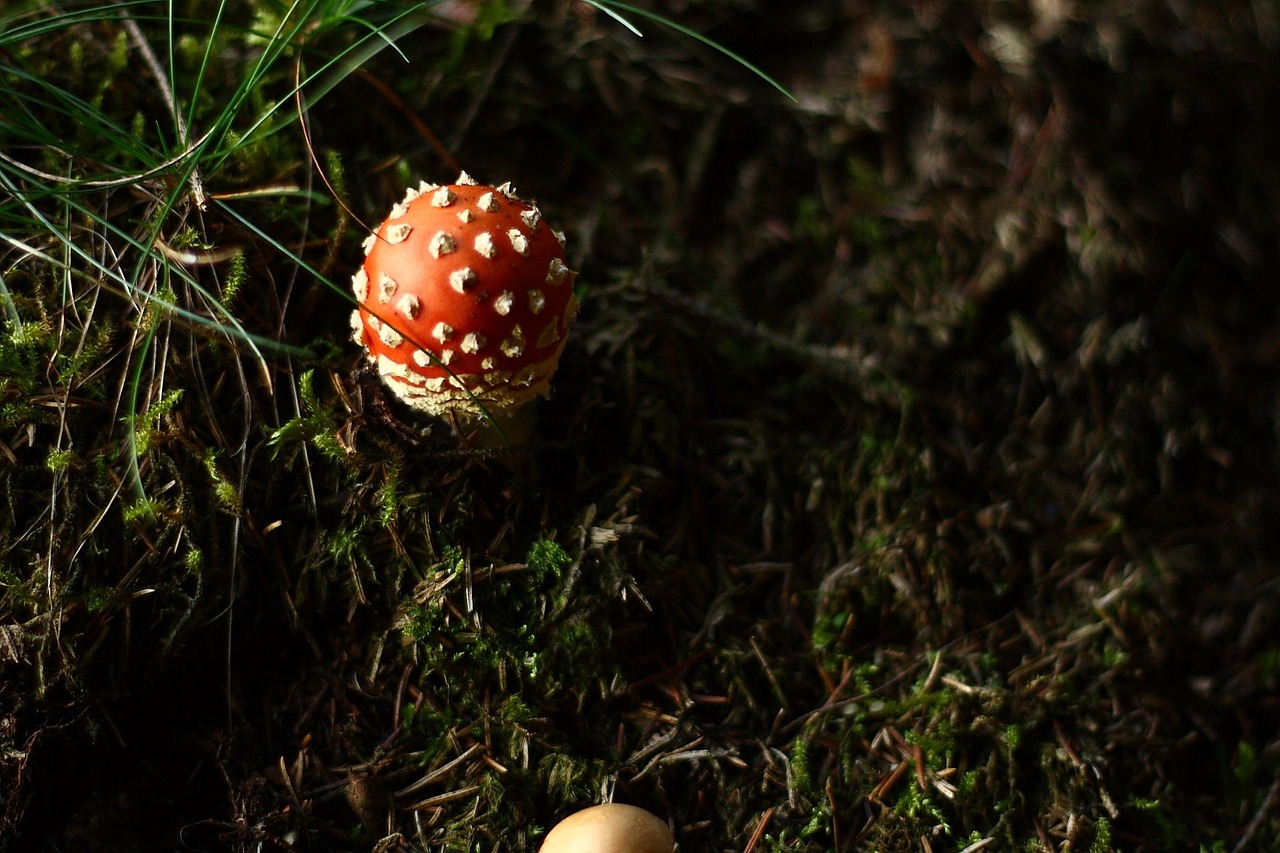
(464, 299)
(610, 828)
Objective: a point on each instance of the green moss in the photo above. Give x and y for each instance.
(236, 276)
(60, 461)
(1101, 837)
(149, 427)
(144, 511)
(315, 425)
(801, 775)
(547, 560)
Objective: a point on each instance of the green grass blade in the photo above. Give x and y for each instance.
(607, 6)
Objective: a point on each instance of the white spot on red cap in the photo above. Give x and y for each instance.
(472, 342)
(502, 304)
(559, 235)
(531, 217)
(537, 301)
(398, 209)
(368, 243)
(484, 244)
(386, 288)
(513, 346)
(398, 233)
(556, 271)
(487, 203)
(466, 180)
(421, 358)
(390, 336)
(507, 190)
(360, 285)
(443, 197)
(442, 331)
(357, 328)
(519, 242)
(388, 366)
(409, 305)
(465, 215)
(442, 243)
(462, 278)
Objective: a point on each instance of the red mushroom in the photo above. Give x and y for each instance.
(464, 299)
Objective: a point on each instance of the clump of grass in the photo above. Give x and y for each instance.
(132, 160)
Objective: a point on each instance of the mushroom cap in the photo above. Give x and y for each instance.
(610, 828)
(464, 299)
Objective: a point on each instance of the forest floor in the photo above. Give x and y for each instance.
(910, 481)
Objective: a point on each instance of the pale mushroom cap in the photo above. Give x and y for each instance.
(610, 828)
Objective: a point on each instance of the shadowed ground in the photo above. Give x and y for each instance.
(909, 481)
